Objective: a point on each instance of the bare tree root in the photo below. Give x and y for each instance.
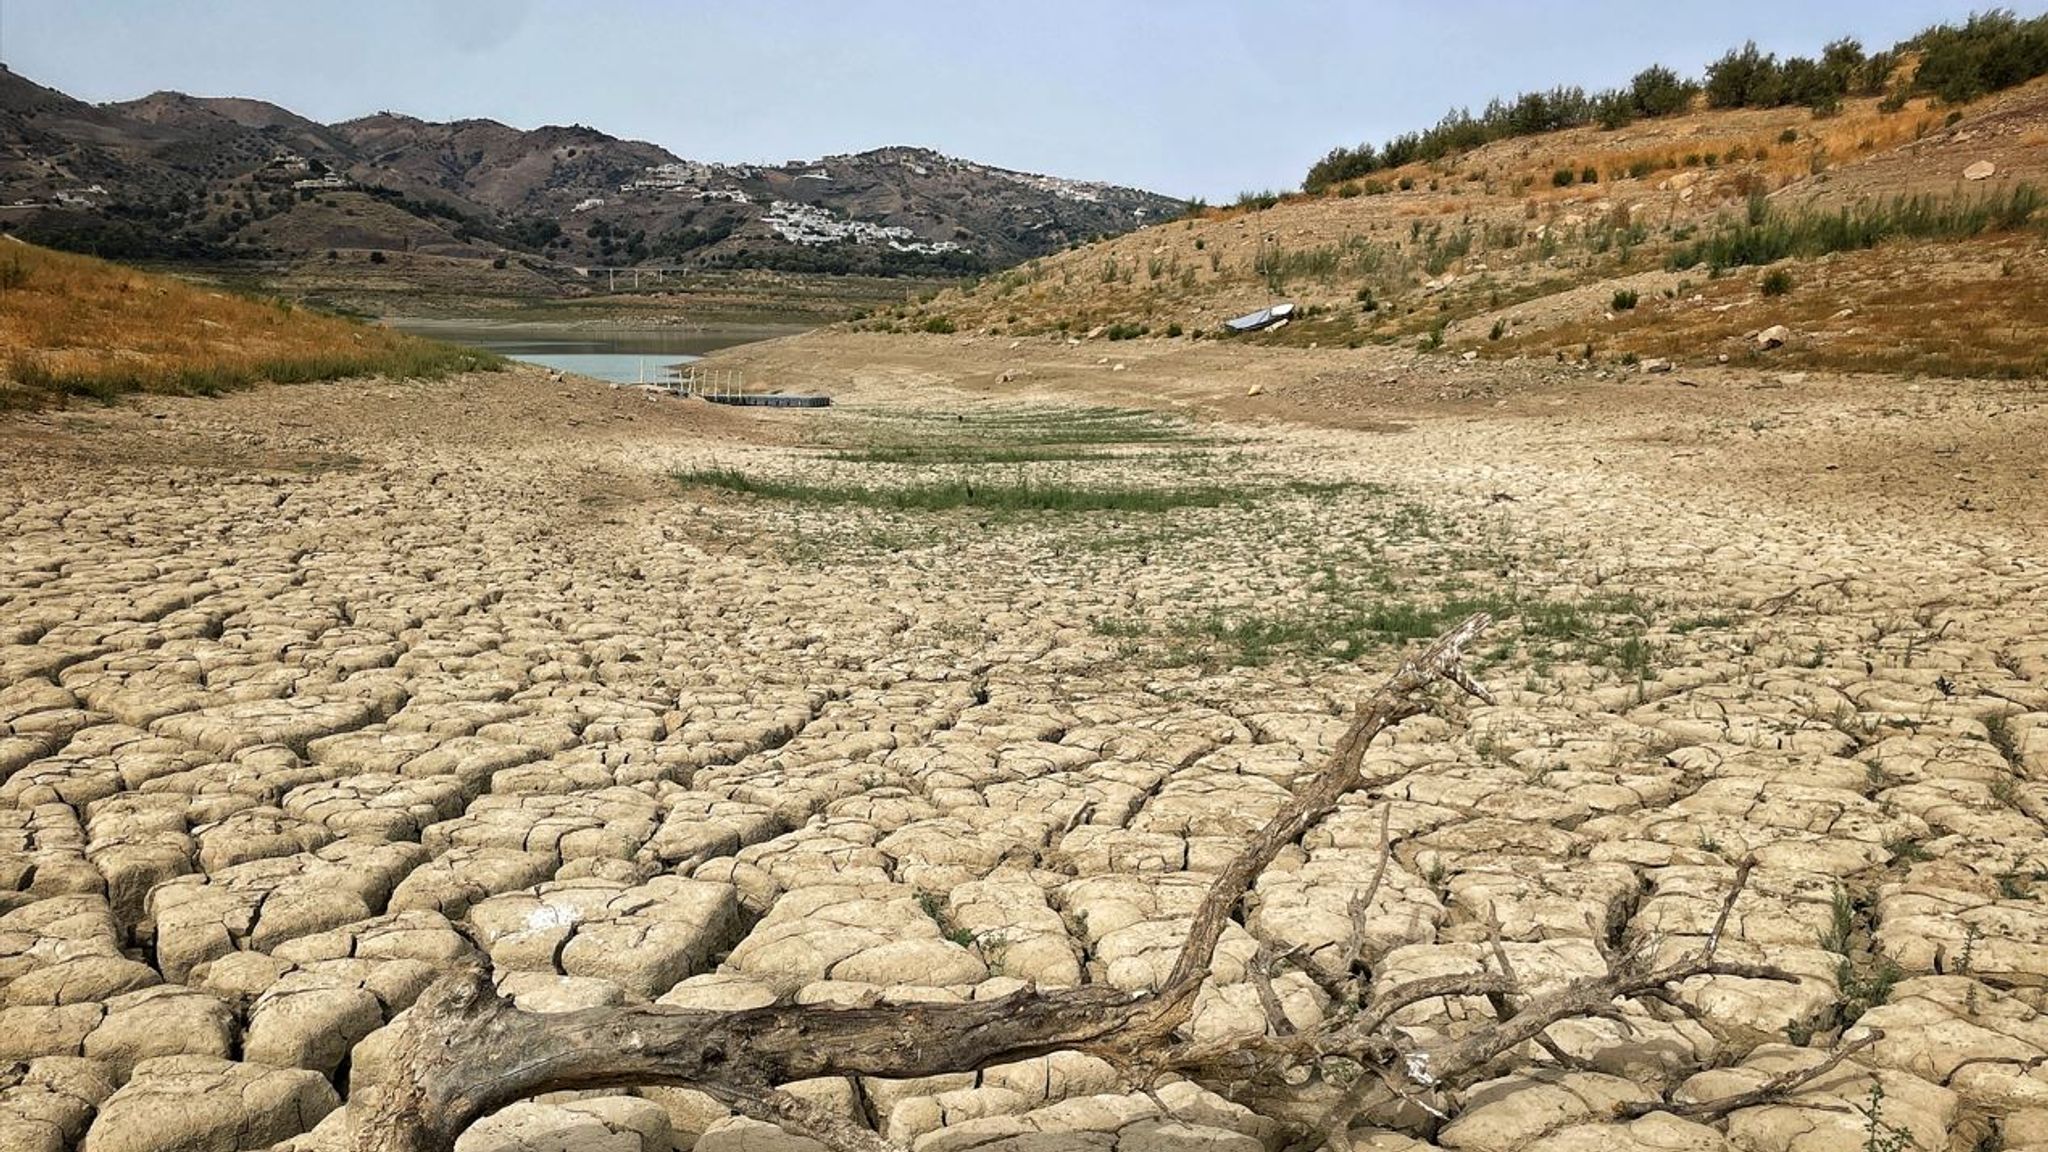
(462, 1051)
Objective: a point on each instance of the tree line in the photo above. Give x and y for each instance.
(1988, 52)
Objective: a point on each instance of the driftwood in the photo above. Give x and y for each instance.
(462, 1051)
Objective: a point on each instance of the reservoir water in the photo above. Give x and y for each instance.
(619, 355)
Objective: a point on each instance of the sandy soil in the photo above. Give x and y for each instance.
(307, 694)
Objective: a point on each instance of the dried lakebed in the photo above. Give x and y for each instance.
(307, 695)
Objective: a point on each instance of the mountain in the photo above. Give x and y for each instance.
(171, 175)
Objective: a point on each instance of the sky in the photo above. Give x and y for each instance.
(1188, 97)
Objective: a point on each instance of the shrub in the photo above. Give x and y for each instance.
(1562, 178)
(13, 275)
(376, 256)
(1624, 299)
(1764, 238)
(1590, 176)
(1500, 329)
(1173, 330)
(1777, 282)
(938, 325)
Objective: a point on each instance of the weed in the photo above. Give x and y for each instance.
(2006, 791)
(1863, 990)
(1777, 282)
(1841, 923)
(1879, 1136)
(1908, 851)
(1625, 299)
(1998, 729)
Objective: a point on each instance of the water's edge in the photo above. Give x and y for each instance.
(621, 355)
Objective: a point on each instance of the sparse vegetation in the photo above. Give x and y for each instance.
(994, 495)
(1766, 236)
(75, 326)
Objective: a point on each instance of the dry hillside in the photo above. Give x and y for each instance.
(1531, 246)
(76, 326)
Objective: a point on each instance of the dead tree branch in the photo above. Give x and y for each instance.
(462, 1051)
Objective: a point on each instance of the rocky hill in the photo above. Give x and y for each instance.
(172, 175)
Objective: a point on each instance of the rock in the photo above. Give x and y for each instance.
(1256, 390)
(1773, 337)
(206, 1104)
(1981, 170)
(1656, 365)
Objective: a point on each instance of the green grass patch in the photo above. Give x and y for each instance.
(1004, 496)
(966, 453)
(1600, 630)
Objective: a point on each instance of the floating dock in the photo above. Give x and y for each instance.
(772, 400)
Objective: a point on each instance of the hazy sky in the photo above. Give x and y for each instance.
(1196, 97)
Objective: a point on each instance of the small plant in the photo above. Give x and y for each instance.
(1625, 299)
(1777, 282)
(1879, 1136)
(2006, 791)
(1841, 923)
(1998, 729)
(1173, 330)
(1908, 851)
(376, 256)
(1591, 175)
(1500, 329)
(938, 325)
(1562, 178)
(13, 275)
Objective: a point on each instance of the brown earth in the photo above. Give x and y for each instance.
(309, 693)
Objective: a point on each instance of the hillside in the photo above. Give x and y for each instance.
(175, 176)
(1885, 236)
(74, 326)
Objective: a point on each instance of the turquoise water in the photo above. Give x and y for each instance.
(622, 356)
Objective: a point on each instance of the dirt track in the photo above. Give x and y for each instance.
(295, 681)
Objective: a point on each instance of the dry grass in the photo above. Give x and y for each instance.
(76, 326)
(1969, 308)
